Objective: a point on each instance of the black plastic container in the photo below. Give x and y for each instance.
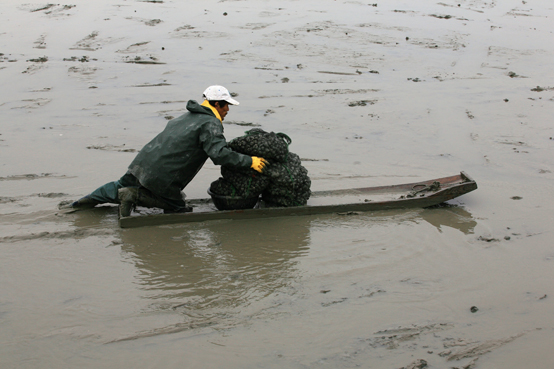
(233, 202)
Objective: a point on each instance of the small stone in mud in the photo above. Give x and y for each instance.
(284, 80)
(516, 197)
(474, 309)
(488, 239)
(507, 238)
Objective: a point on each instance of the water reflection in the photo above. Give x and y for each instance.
(450, 216)
(227, 264)
(227, 272)
(217, 264)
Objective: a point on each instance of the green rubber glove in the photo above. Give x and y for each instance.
(258, 164)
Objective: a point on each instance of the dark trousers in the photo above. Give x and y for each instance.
(108, 192)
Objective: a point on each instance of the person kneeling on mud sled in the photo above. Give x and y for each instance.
(166, 165)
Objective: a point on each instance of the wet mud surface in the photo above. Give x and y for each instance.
(371, 94)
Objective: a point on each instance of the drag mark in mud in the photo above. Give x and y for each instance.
(77, 233)
(338, 73)
(50, 9)
(181, 327)
(477, 349)
(33, 103)
(87, 43)
(91, 42)
(134, 48)
(108, 147)
(453, 349)
(29, 177)
(186, 31)
(82, 71)
(165, 102)
(43, 8)
(256, 26)
(243, 124)
(391, 338)
(7, 200)
(153, 84)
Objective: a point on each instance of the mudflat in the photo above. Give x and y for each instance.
(371, 94)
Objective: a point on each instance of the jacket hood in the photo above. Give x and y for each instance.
(195, 107)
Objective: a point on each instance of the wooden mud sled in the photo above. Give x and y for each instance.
(403, 196)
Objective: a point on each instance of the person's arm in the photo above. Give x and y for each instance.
(215, 146)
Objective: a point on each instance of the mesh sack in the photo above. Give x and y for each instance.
(222, 187)
(289, 185)
(274, 147)
(246, 182)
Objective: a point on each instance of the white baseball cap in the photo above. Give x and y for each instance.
(213, 93)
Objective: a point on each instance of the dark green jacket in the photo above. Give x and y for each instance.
(171, 160)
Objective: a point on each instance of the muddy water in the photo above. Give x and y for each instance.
(371, 94)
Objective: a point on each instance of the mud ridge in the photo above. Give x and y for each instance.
(77, 233)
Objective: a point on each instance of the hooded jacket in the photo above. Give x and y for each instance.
(172, 159)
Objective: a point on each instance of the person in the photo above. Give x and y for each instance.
(166, 165)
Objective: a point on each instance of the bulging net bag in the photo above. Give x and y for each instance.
(268, 145)
(289, 185)
(243, 183)
(284, 182)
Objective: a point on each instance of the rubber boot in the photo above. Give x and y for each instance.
(128, 197)
(83, 203)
